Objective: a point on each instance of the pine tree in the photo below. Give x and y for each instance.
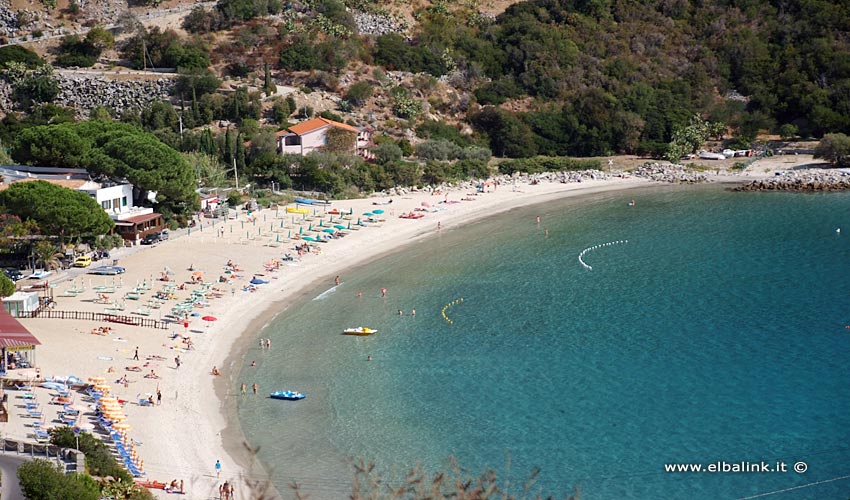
(240, 152)
(268, 86)
(227, 153)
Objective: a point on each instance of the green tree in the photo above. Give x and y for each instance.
(46, 254)
(835, 148)
(358, 93)
(19, 53)
(57, 210)
(788, 131)
(7, 286)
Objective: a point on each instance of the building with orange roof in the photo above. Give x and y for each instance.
(311, 135)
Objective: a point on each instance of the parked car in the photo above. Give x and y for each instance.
(150, 239)
(13, 274)
(82, 261)
(107, 270)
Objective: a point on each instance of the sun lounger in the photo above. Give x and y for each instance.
(35, 413)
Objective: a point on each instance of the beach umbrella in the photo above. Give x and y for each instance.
(379, 211)
(97, 380)
(339, 226)
(122, 426)
(289, 234)
(349, 225)
(321, 222)
(368, 214)
(311, 227)
(300, 229)
(329, 230)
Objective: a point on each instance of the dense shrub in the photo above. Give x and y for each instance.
(546, 164)
(19, 53)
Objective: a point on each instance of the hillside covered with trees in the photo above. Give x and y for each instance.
(545, 77)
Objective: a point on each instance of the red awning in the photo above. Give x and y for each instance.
(13, 333)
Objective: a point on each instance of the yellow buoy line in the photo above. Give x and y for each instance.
(445, 308)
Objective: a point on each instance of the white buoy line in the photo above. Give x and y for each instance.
(594, 247)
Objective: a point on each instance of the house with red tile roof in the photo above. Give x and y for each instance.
(311, 135)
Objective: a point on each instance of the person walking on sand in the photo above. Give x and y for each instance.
(218, 468)
(177, 361)
(336, 281)
(136, 356)
(158, 397)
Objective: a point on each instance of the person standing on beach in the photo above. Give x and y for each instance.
(243, 388)
(255, 387)
(136, 356)
(218, 468)
(336, 281)
(177, 361)
(158, 397)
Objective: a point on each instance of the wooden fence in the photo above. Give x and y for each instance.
(95, 316)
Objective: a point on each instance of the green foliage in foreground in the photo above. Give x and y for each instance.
(42, 480)
(56, 210)
(7, 286)
(99, 460)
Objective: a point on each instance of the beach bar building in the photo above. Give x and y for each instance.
(16, 343)
(135, 225)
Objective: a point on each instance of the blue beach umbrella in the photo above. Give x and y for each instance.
(331, 231)
(300, 229)
(368, 214)
(322, 223)
(379, 211)
(339, 226)
(350, 211)
(311, 227)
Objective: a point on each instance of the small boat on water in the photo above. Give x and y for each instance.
(287, 395)
(360, 330)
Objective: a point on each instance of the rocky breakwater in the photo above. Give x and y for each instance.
(675, 174)
(806, 181)
(84, 92)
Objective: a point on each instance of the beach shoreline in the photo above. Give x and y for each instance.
(185, 436)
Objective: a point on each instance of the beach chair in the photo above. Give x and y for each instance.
(35, 413)
(23, 387)
(41, 436)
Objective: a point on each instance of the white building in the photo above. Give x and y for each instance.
(20, 302)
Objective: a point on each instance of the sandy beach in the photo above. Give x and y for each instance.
(182, 437)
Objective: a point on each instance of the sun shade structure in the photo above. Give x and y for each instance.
(16, 342)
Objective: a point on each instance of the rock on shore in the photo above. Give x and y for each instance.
(808, 181)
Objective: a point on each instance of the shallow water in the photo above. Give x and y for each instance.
(716, 332)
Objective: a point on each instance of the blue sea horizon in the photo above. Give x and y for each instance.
(709, 329)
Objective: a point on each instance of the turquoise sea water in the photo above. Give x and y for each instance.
(715, 334)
